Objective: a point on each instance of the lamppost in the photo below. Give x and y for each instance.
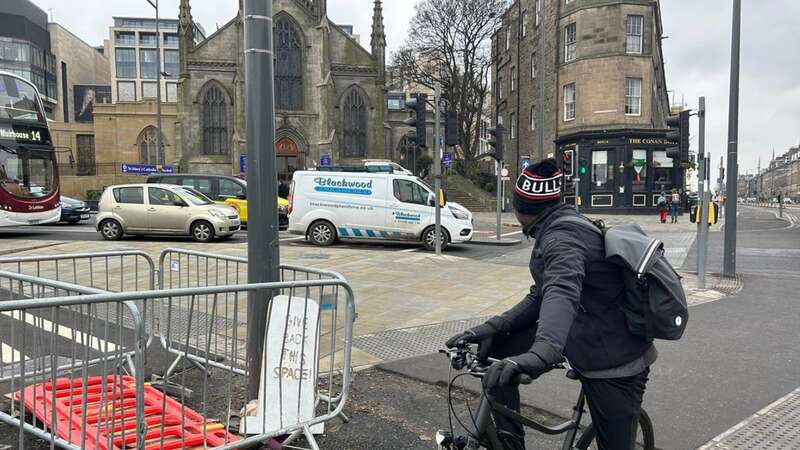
(159, 144)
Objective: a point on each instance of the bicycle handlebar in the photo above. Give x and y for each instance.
(462, 357)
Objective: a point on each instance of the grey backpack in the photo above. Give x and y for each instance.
(655, 303)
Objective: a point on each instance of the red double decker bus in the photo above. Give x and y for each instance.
(29, 187)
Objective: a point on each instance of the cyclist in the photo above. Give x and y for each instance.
(572, 310)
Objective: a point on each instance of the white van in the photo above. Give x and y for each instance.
(325, 206)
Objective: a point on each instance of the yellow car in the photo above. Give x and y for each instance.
(230, 191)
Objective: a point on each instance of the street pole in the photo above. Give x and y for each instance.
(702, 239)
(729, 262)
(437, 165)
(159, 139)
(262, 244)
(702, 180)
(576, 178)
(499, 169)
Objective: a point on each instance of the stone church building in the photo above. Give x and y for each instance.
(330, 96)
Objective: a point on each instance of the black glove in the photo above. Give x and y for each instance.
(483, 335)
(505, 372)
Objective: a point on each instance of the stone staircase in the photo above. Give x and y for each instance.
(461, 190)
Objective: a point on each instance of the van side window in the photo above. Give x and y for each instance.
(198, 184)
(133, 195)
(410, 192)
(228, 188)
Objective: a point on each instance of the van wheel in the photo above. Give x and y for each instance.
(322, 233)
(111, 230)
(429, 238)
(202, 231)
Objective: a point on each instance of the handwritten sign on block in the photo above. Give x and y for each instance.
(289, 369)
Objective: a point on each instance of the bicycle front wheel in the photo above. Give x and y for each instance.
(645, 438)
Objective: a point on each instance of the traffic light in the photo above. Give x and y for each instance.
(496, 141)
(568, 163)
(451, 129)
(680, 134)
(583, 168)
(416, 105)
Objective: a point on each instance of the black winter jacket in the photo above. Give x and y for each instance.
(576, 298)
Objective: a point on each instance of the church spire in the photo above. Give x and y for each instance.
(378, 41)
(186, 34)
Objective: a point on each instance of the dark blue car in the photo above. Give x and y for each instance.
(72, 210)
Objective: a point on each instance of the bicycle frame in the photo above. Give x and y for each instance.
(488, 433)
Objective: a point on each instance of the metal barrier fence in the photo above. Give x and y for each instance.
(312, 314)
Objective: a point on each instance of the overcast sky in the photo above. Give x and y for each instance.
(696, 54)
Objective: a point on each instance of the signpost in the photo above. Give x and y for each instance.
(243, 163)
(325, 160)
(447, 160)
(145, 169)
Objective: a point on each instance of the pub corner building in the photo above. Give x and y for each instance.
(620, 171)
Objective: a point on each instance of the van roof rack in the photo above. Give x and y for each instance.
(370, 169)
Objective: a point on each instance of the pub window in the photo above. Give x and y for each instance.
(288, 65)
(602, 170)
(640, 171)
(662, 171)
(354, 119)
(215, 121)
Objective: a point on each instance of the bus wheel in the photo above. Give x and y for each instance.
(322, 233)
(111, 230)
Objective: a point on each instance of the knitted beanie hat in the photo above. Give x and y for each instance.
(538, 187)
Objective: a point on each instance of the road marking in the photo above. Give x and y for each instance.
(10, 355)
(295, 238)
(80, 337)
(409, 250)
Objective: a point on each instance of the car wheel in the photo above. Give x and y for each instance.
(111, 230)
(429, 238)
(202, 231)
(322, 233)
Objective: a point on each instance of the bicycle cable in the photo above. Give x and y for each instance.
(452, 409)
(466, 402)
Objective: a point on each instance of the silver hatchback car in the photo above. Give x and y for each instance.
(163, 209)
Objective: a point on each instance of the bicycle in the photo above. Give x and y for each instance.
(485, 434)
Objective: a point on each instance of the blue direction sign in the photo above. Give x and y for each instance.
(325, 160)
(145, 169)
(243, 163)
(447, 159)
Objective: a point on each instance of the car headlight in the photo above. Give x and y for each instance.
(217, 213)
(459, 214)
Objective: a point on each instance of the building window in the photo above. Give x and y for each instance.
(148, 64)
(602, 171)
(126, 91)
(499, 88)
(513, 79)
(662, 171)
(533, 118)
(147, 40)
(538, 12)
(172, 63)
(172, 92)
(533, 65)
(148, 147)
(570, 39)
(125, 38)
(65, 90)
(508, 38)
(640, 171)
(149, 90)
(171, 40)
(396, 101)
(524, 23)
(500, 119)
(86, 161)
(215, 122)
(354, 121)
(633, 96)
(513, 119)
(288, 66)
(634, 26)
(569, 102)
(126, 62)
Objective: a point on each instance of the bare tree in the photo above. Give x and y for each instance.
(450, 42)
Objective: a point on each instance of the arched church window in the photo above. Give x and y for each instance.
(354, 120)
(148, 147)
(215, 122)
(288, 65)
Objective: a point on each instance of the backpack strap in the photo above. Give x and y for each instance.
(579, 220)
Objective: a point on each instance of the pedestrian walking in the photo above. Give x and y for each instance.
(662, 207)
(573, 310)
(674, 206)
